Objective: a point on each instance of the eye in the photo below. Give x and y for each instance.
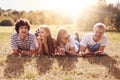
(66, 37)
(21, 27)
(25, 27)
(96, 31)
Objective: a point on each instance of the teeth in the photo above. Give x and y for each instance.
(23, 32)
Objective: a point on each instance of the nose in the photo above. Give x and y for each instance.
(24, 29)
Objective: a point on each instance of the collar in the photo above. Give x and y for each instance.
(26, 37)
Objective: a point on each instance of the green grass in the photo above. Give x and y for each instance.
(59, 68)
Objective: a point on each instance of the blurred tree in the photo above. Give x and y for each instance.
(117, 16)
(7, 22)
(41, 17)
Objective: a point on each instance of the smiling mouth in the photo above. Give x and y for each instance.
(24, 32)
(41, 39)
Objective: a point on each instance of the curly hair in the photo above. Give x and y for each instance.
(21, 22)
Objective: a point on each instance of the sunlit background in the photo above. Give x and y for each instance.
(84, 13)
(68, 6)
(48, 4)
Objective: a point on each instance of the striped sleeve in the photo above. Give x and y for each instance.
(32, 45)
(13, 42)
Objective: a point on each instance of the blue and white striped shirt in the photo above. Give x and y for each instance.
(17, 43)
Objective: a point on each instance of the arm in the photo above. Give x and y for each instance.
(28, 52)
(39, 49)
(71, 51)
(15, 52)
(32, 50)
(38, 46)
(72, 46)
(14, 46)
(101, 50)
(44, 42)
(103, 45)
(83, 45)
(84, 51)
(46, 48)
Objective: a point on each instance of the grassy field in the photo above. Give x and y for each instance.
(59, 68)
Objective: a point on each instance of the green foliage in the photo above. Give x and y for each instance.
(7, 22)
(105, 13)
(108, 14)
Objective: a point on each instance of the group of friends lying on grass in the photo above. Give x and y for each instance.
(24, 43)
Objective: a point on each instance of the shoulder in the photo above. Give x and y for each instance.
(72, 38)
(104, 37)
(14, 35)
(31, 35)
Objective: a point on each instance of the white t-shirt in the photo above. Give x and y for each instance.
(71, 44)
(87, 41)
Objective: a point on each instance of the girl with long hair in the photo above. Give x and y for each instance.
(45, 43)
(66, 43)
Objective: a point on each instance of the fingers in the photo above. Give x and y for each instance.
(59, 51)
(98, 52)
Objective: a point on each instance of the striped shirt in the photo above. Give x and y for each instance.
(17, 43)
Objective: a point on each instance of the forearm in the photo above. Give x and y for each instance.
(39, 48)
(98, 52)
(25, 52)
(86, 53)
(46, 48)
(70, 52)
(101, 50)
(28, 52)
(16, 52)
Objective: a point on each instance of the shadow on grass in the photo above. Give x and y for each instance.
(44, 64)
(15, 66)
(108, 62)
(67, 63)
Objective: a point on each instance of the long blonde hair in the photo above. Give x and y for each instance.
(60, 34)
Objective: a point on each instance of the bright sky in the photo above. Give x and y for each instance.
(71, 7)
(48, 4)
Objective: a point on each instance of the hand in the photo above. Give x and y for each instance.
(59, 51)
(98, 52)
(62, 51)
(39, 40)
(43, 40)
(81, 53)
(24, 52)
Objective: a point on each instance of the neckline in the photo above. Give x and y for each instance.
(25, 38)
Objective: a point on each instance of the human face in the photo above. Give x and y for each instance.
(98, 33)
(23, 30)
(42, 33)
(65, 39)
